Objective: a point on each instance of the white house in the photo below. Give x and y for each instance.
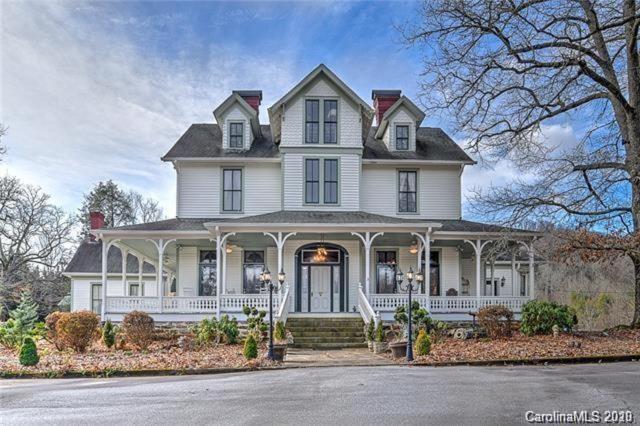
(320, 193)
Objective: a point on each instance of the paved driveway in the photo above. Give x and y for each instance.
(336, 395)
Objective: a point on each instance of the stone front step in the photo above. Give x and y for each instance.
(327, 332)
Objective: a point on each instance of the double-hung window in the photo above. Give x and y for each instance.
(232, 190)
(321, 121)
(312, 181)
(317, 171)
(407, 193)
(96, 298)
(312, 121)
(136, 289)
(330, 131)
(402, 138)
(331, 181)
(253, 266)
(236, 135)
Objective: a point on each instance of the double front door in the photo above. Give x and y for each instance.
(321, 288)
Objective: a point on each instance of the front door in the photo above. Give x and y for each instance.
(320, 286)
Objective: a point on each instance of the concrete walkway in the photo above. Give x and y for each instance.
(299, 357)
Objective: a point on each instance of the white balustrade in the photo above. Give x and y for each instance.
(364, 307)
(202, 304)
(283, 311)
(127, 304)
(235, 302)
(442, 304)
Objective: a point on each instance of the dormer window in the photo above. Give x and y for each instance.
(402, 138)
(321, 127)
(236, 135)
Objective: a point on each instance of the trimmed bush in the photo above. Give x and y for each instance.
(207, 332)
(22, 322)
(496, 320)
(370, 330)
(539, 317)
(280, 333)
(380, 332)
(250, 347)
(29, 352)
(52, 335)
(423, 344)
(255, 321)
(77, 330)
(109, 332)
(138, 329)
(229, 328)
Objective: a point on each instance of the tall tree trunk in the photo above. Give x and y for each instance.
(636, 312)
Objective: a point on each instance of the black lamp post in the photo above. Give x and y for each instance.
(266, 278)
(409, 289)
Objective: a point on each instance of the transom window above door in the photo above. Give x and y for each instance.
(321, 127)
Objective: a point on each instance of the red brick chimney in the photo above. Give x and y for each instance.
(96, 221)
(382, 100)
(253, 97)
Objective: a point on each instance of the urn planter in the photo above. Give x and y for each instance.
(279, 352)
(398, 349)
(379, 347)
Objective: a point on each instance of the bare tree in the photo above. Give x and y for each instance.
(145, 209)
(33, 232)
(505, 68)
(3, 149)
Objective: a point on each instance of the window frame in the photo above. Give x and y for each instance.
(307, 181)
(321, 181)
(325, 181)
(408, 137)
(223, 191)
(251, 264)
(231, 135)
(395, 267)
(321, 120)
(140, 286)
(199, 265)
(324, 122)
(98, 299)
(398, 191)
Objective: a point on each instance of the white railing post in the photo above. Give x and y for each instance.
(105, 253)
(532, 275)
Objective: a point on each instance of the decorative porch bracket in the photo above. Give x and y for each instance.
(280, 240)
(532, 275)
(161, 245)
(106, 245)
(478, 246)
(220, 240)
(367, 240)
(426, 245)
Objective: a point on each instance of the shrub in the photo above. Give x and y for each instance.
(138, 329)
(229, 327)
(21, 323)
(280, 333)
(370, 330)
(207, 331)
(420, 319)
(423, 343)
(539, 317)
(380, 332)
(496, 320)
(250, 347)
(77, 330)
(255, 321)
(29, 352)
(109, 332)
(50, 324)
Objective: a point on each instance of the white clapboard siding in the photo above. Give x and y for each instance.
(349, 184)
(81, 289)
(438, 191)
(449, 269)
(349, 124)
(199, 189)
(188, 271)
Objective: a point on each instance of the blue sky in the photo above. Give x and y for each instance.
(92, 91)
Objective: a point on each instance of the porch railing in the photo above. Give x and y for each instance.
(197, 304)
(444, 304)
(283, 310)
(364, 307)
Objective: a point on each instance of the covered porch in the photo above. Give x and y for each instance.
(332, 265)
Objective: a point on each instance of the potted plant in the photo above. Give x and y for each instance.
(379, 346)
(420, 321)
(399, 345)
(369, 333)
(279, 342)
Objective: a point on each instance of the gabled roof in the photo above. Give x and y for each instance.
(402, 101)
(88, 259)
(275, 110)
(235, 98)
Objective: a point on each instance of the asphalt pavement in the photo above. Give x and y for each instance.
(329, 395)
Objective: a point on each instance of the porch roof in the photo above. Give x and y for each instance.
(88, 259)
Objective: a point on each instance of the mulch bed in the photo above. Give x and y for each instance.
(519, 347)
(99, 361)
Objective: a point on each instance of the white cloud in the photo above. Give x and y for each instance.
(84, 103)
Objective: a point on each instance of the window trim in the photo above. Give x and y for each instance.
(321, 100)
(99, 285)
(324, 123)
(198, 270)
(396, 250)
(140, 288)
(244, 263)
(417, 172)
(395, 134)
(231, 123)
(222, 191)
(324, 181)
(321, 160)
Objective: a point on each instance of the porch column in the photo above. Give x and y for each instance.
(125, 254)
(105, 252)
(218, 292)
(367, 240)
(513, 274)
(224, 270)
(532, 275)
(140, 269)
(477, 248)
(426, 244)
(161, 245)
(279, 240)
